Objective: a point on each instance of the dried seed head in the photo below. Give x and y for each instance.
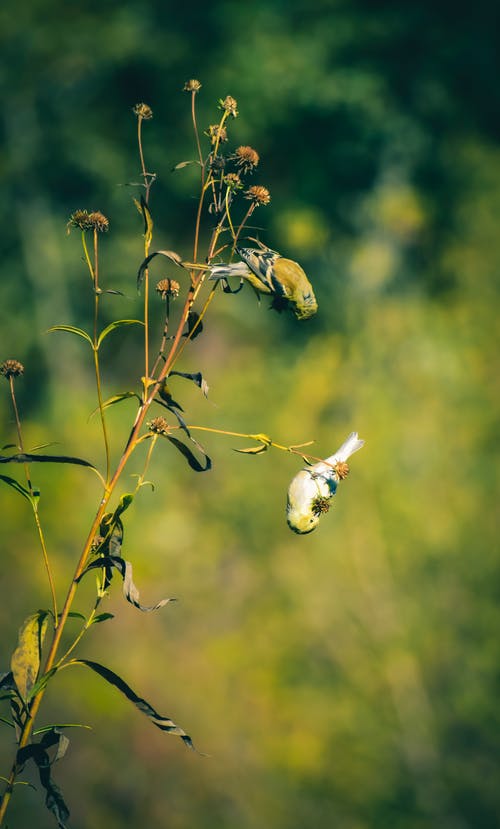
(98, 221)
(143, 111)
(192, 86)
(216, 133)
(229, 105)
(247, 158)
(11, 368)
(159, 426)
(168, 288)
(320, 505)
(258, 194)
(88, 221)
(342, 470)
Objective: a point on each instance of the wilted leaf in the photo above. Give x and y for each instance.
(161, 722)
(17, 486)
(37, 752)
(130, 591)
(170, 254)
(27, 457)
(190, 457)
(196, 377)
(25, 661)
(182, 164)
(194, 324)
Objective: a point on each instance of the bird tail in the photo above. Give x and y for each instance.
(234, 269)
(348, 448)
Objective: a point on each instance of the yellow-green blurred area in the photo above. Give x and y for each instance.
(348, 678)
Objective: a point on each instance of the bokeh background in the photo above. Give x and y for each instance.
(345, 679)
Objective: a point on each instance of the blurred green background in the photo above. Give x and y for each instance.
(344, 679)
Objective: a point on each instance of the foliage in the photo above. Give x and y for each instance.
(354, 672)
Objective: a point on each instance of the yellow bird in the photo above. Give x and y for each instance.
(312, 489)
(270, 273)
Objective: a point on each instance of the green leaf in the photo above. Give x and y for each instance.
(17, 486)
(160, 721)
(102, 617)
(123, 504)
(143, 208)
(117, 398)
(73, 614)
(25, 661)
(113, 325)
(253, 450)
(71, 329)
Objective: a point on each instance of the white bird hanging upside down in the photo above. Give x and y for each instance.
(311, 491)
(270, 273)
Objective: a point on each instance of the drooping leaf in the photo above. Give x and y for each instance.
(117, 398)
(38, 752)
(25, 661)
(190, 457)
(143, 208)
(71, 329)
(28, 457)
(160, 721)
(196, 377)
(169, 254)
(113, 326)
(182, 164)
(17, 486)
(130, 591)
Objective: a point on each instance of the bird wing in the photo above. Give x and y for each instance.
(261, 263)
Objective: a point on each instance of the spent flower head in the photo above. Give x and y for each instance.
(246, 158)
(342, 470)
(258, 195)
(143, 111)
(229, 105)
(192, 86)
(168, 288)
(11, 368)
(159, 426)
(216, 133)
(320, 505)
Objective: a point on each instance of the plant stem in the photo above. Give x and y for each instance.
(34, 504)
